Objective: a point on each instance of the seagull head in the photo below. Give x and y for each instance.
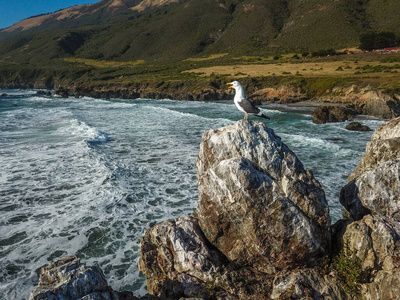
(234, 85)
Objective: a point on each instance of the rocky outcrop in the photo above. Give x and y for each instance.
(282, 94)
(67, 278)
(253, 193)
(357, 126)
(260, 214)
(373, 199)
(329, 114)
(375, 183)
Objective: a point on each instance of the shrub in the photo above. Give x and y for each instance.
(348, 268)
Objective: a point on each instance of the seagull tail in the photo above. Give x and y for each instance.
(261, 115)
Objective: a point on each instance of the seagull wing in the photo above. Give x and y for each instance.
(249, 107)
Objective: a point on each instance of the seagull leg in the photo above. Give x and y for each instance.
(246, 116)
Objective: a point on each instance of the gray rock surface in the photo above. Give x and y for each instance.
(257, 203)
(66, 278)
(375, 183)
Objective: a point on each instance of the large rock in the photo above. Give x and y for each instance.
(376, 242)
(66, 278)
(375, 183)
(257, 203)
(177, 260)
(329, 114)
(384, 146)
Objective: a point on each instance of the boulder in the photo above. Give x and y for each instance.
(329, 114)
(384, 146)
(257, 203)
(376, 191)
(177, 260)
(357, 126)
(376, 241)
(375, 183)
(67, 278)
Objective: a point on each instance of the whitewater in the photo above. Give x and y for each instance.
(86, 176)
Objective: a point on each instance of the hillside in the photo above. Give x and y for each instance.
(166, 29)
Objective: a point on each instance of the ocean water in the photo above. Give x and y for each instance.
(87, 176)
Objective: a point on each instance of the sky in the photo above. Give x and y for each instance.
(12, 11)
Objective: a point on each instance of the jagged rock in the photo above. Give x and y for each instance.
(281, 94)
(376, 191)
(67, 278)
(328, 114)
(375, 183)
(308, 284)
(177, 260)
(3, 95)
(257, 204)
(357, 126)
(44, 93)
(384, 146)
(376, 241)
(62, 92)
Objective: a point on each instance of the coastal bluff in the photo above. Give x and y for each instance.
(262, 228)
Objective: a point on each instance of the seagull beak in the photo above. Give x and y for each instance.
(230, 85)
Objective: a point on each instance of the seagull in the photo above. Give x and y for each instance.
(242, 103)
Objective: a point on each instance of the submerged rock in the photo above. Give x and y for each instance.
(357, 126)
(67, 278)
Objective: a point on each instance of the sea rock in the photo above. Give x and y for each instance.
(3, 95)
(67, 278)
(62, 92)
(375, 183)
(328, 114)
(257, 203)
(357, 126)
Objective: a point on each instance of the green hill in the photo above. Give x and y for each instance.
(162, 32)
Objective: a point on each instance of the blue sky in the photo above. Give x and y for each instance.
(12, 11)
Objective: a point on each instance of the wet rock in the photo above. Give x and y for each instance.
(67, 278)
(257, 204)
(62, 92)
(329, 114)
(357, 126)
(3, 95)
(44, 93)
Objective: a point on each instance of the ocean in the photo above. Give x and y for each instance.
(86, 176)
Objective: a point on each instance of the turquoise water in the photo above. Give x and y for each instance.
(87, 176)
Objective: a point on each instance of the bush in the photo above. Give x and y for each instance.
(348, 268)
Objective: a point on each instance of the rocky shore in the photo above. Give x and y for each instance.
(262, 229)
(340, 103)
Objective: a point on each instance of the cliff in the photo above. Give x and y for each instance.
(262, 226)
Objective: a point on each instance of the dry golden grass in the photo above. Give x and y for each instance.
(213, 56)
(328, 68)
(103, 63)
